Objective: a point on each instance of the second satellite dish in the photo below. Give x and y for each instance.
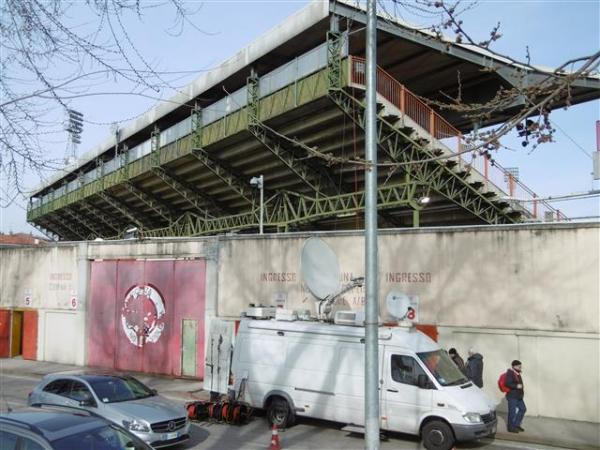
(398, 304)
(320, 268)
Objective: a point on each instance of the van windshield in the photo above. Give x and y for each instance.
(442, 368)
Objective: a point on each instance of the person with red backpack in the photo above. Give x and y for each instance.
(513, 386)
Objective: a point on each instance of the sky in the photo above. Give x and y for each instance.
(554, 31)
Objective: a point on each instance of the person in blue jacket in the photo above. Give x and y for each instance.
(514, 397)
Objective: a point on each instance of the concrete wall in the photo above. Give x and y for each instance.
(47, 278)
(560, 369)
(516, 292)
(526, 278)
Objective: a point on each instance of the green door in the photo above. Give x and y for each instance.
(189, 331)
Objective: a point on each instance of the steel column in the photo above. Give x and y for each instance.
(371, 254)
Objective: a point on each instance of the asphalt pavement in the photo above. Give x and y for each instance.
(18, 377)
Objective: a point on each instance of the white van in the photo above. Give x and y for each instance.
(316, 370)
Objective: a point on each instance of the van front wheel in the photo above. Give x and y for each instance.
(280, 413)
(437, 435)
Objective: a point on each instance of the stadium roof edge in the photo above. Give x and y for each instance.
(303, 19)
(315, 12)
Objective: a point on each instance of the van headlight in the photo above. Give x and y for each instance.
(134, 425)
(472, 417)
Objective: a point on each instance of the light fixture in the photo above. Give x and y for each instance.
(424, 200)
(131, 233)
(259, 183)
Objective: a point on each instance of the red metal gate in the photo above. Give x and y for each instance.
(4, 333)
(30, 334)
(136, 311)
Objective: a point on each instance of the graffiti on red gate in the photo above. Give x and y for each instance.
(142, 315)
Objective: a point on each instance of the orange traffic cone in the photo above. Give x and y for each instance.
(275, 445)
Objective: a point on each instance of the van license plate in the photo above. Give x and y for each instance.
(169, 436)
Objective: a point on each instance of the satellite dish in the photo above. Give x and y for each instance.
(320, 268)
(398, 304)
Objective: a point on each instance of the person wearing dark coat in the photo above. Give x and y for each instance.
(457, 360)
(514, 397)
(474, 368)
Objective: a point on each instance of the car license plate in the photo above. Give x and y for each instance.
(169, 436)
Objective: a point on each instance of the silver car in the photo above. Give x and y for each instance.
(120, 399)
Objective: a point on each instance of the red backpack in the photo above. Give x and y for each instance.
(502, 383)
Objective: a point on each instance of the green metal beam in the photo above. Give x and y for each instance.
(399, 147)
(274, 143)
(294, 95)
(65, 228)
(310, 175)
(83, 222)
(149, 200)
(334, 59)
(99, 215)
(46, 232)
(46, 223)
(201, 202)
(220, 169)
(285, 209)
(122, 208)
(225, 174)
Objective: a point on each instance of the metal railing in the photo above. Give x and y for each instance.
(435, 125)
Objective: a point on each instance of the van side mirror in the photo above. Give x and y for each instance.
(424, 382)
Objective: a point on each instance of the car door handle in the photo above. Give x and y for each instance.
(392, 390)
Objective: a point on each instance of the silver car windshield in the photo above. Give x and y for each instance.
(442, 368)
(104, 438)
(114, 389)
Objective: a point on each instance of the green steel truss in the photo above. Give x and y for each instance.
(221, 170)
(300, 92)
(284, 209)
(334, 59)
(49, 230)
(294, 163)
(289, 209)
(133, 217)
(436, 175)
(149, 200)
(78, 218)
(46, 232)
(64, 227)
(313, 175)
(225, 174)
(99, 215)
(205, 204)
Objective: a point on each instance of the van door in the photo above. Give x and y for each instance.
(404, 402)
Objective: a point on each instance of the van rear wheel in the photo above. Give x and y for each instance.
(280, 413)
(437, 435)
